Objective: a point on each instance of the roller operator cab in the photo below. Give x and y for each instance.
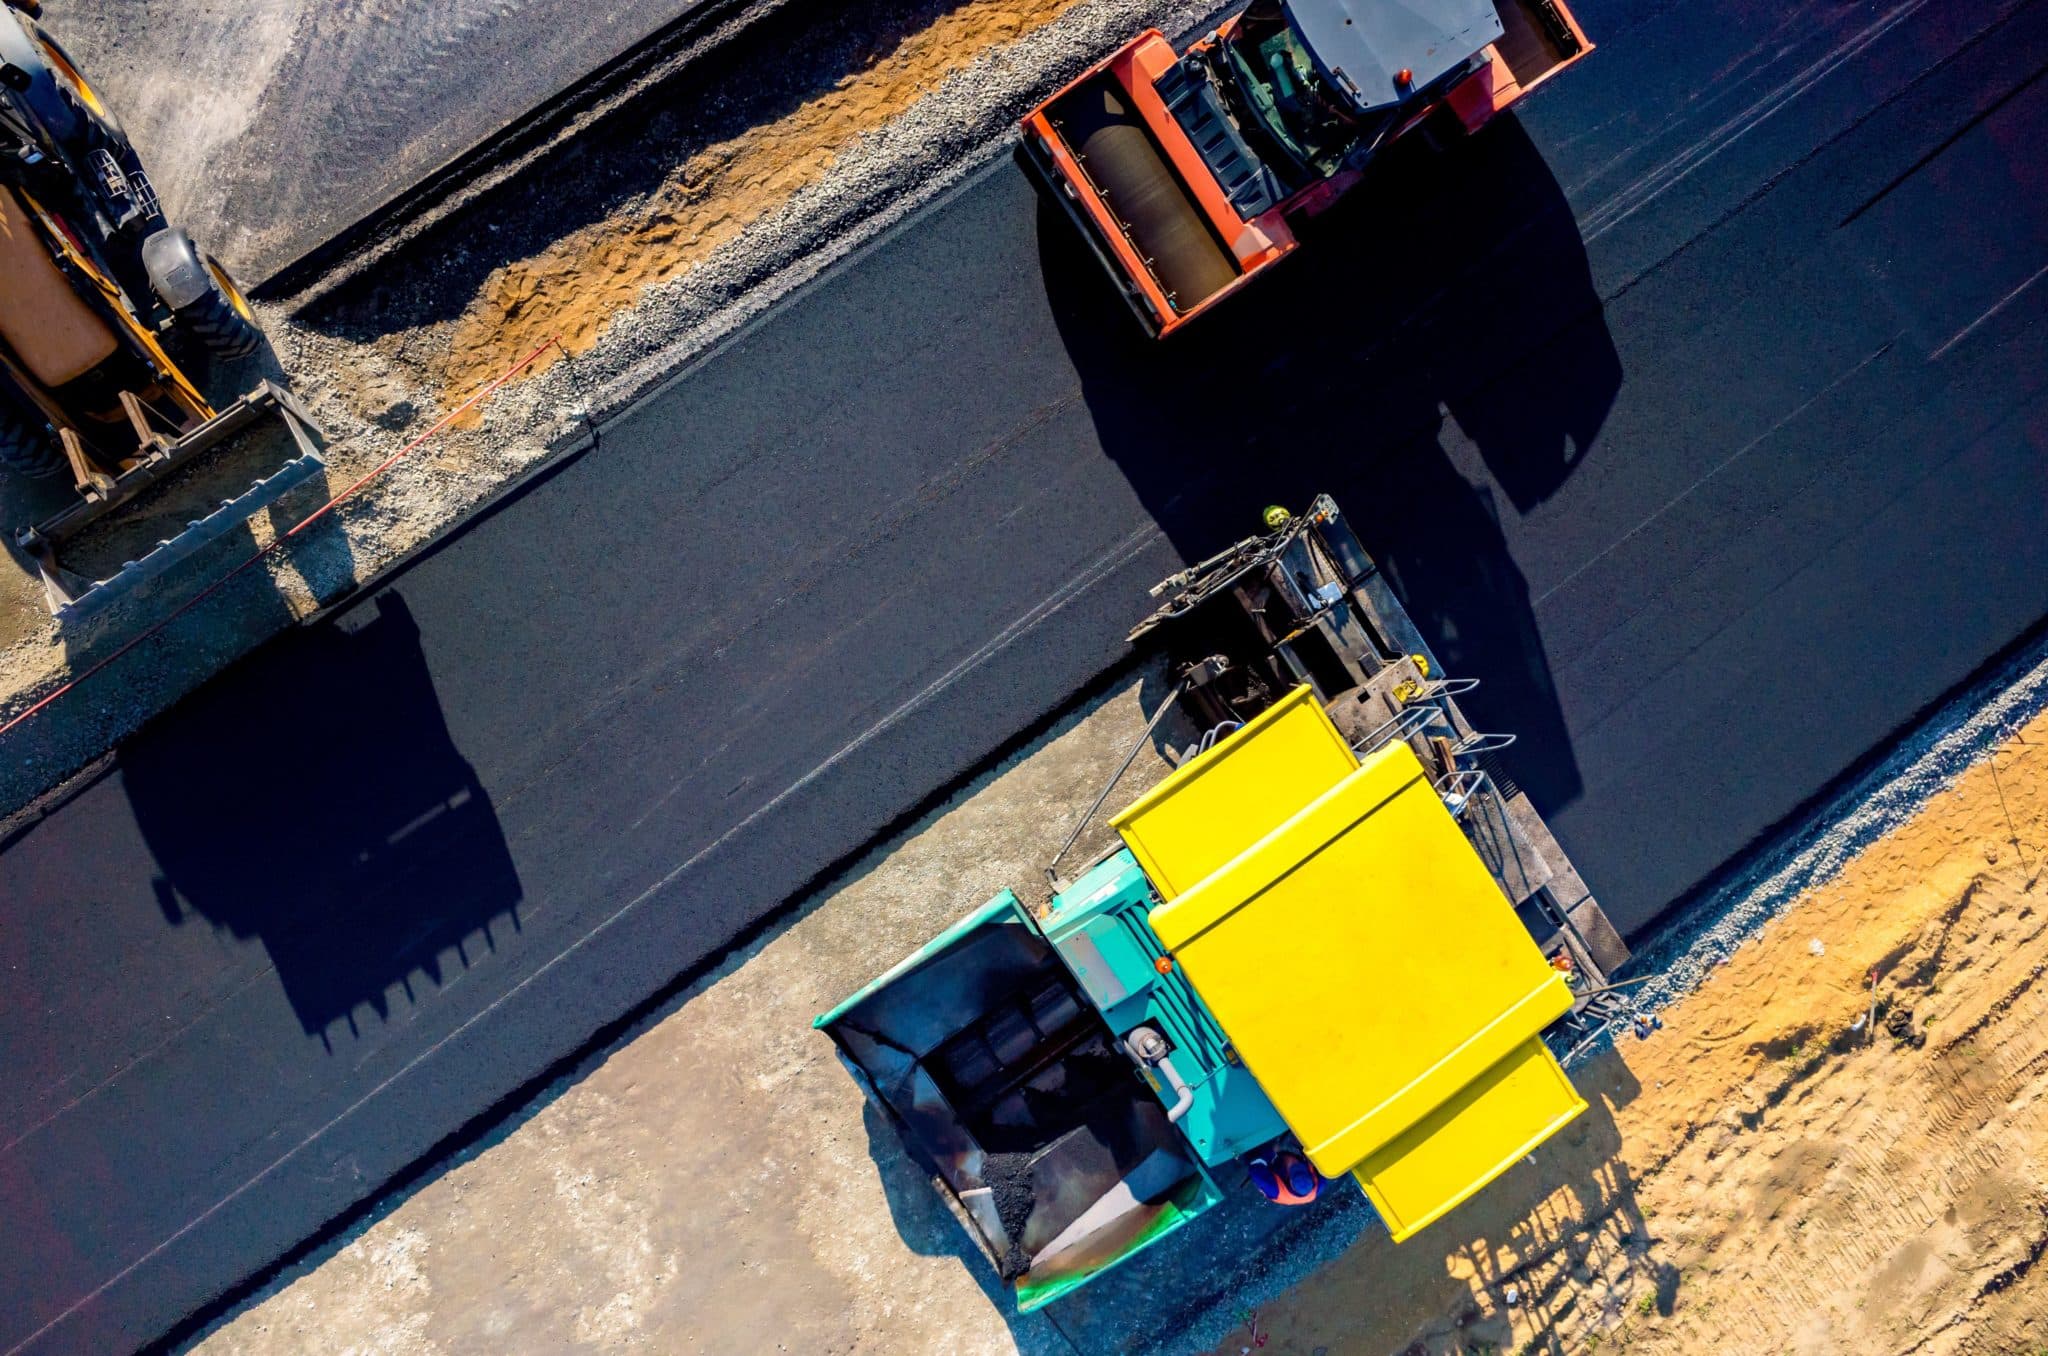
(1336, 949)
(1187, 171)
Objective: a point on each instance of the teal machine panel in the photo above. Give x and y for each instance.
(1098, 926)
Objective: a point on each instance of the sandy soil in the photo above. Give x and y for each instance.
(572, 290)
(1760, 1176)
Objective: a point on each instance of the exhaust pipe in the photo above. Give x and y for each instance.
(1149, 1048)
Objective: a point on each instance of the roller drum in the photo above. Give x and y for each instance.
(1126, 167)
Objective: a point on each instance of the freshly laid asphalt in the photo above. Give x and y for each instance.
(1699, 412)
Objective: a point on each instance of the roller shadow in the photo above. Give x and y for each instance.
(1434, 356)
(382, 876)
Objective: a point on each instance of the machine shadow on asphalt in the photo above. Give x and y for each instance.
(392, 876)
(1454, 283)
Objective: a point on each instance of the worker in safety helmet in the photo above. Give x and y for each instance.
(1284, 1176)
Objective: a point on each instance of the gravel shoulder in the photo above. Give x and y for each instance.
(640, 243)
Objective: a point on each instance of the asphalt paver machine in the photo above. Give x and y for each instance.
(102, 301)
(1190, 172)
(1334, 937)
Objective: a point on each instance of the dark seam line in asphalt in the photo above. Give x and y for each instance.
(1877, 511)
(666, 664)
(1763, 189)
(1712, 228)
(1705, 105)
(1675, 169)
(1946, 142)
(1788, 417)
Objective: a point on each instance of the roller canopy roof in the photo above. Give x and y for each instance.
(1361, 43)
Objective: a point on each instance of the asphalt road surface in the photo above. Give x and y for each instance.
(1699, 414)
(270, 126)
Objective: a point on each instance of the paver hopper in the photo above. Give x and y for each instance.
(1334, 938)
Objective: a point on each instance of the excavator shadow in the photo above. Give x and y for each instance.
(1434, 356)
(382, 876)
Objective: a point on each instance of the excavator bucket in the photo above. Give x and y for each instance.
(97, 291)
(74, 597)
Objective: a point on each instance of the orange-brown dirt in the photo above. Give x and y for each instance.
(571, 290)
(1761, 1177)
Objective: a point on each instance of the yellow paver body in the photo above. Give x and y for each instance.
(1360, 957)
(1216, 805)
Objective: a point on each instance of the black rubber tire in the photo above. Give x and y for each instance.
(26, 447)
(224, 329)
